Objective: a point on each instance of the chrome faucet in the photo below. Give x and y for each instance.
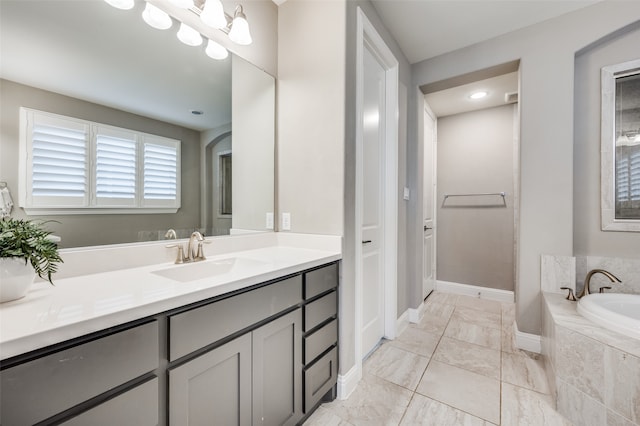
(586, 290)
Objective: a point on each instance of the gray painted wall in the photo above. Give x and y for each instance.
(475, 234)
(87, 230)
(547, 52)
(316, 136)
(589, 239)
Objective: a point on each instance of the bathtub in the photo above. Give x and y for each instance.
(615, 311)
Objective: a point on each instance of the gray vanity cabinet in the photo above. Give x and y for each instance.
(79, 376)
(264, 355)
(277, 371)
(254, 379)
(214, 388)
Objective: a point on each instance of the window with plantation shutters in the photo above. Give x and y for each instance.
(160, 171)
(116, 167)
(72, 166)
(628, 182)
(58, 172)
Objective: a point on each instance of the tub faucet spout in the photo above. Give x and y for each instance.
(586, 290)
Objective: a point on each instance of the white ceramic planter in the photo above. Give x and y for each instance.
(15, 278)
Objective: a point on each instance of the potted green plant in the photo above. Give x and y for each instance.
(25, 250)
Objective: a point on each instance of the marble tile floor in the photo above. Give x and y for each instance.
(458, 366)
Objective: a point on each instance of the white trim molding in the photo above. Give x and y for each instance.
(402, 323)
(475, 291)
(528, 342)
(415, 315)
(347, 382)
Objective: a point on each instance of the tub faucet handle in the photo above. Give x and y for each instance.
(570, 295)
(602, 289)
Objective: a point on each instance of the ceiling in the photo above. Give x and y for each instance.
(427, 28)
(456, 100)
(91, 51)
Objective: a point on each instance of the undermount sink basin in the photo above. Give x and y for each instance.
(208, 268)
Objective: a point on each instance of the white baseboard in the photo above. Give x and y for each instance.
(528, 342)
(402, 323)
(475, 291)
(347, 383)
(415, 315)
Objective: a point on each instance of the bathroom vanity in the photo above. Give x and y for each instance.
(263, 353)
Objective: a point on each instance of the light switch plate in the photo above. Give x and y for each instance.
(286, 221)
(406, 193)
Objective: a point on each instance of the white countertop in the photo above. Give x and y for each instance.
(79, 305)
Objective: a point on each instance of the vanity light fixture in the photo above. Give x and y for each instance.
(478, 95)
(216, 51)
(213, 14)
(189, 36)
(182, 4)
(239, 32)
(156, 18)
(121, 4)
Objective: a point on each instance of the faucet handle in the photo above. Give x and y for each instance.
(180, 258)
(570, 296)
(602, 289)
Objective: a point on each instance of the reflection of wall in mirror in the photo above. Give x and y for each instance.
(97, 229)
(253, 129)
(214, 142)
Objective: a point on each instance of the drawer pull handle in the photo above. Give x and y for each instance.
(366, 241)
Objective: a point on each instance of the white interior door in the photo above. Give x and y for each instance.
(373, 246)
(428, 204)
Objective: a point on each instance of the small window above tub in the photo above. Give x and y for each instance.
(620, 147)
(73, 166)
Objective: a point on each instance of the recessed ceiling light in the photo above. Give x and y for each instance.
(478, 95)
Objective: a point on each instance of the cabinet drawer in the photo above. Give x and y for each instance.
(320, 310)
(320, 280)
(320, 341)
(59, 381)
(138, 406)
(199, 327)
(320, 378)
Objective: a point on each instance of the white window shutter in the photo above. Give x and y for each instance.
(161, 172)
(73, 166)
(115, 167)
(58, 165)
(634, 175)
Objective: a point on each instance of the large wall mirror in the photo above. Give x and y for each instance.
(88, 60)
(620, 147)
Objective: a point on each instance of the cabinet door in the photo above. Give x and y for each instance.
(213, 389)
(277, 371)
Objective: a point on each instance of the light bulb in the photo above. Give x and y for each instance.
(478, 95)
(240, 28)
(213, 14)
(216, 51)
(183, 4)
(189, 36)
(121, 4)
(156, 17)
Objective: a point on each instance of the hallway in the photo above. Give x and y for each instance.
(458, 366)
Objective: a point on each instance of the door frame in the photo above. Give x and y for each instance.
(368, 37)
(427, 110)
